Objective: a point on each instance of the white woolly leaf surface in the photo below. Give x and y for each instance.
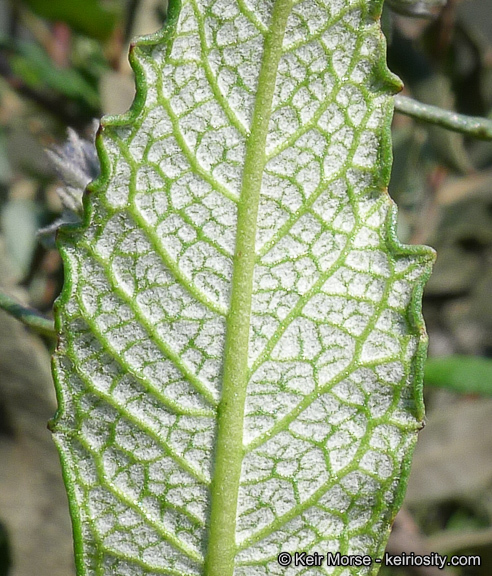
(241, 342)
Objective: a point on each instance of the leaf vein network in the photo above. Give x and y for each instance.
(164, 347)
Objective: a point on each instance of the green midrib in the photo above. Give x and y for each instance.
(229, 450)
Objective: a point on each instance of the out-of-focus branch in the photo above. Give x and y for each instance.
(470, 125)
(27, 316)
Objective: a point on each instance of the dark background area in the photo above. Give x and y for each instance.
(64, 63)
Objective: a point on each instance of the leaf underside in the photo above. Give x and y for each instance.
(241, 343)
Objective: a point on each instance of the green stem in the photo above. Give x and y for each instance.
(27, 316)
(470, 125)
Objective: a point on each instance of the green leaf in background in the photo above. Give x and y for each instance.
(239, 368)
(36, 69)
(464, 374)
(94, 18)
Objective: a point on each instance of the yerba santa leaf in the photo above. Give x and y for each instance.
(239, 366)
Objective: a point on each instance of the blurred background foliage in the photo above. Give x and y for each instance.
(64, 63)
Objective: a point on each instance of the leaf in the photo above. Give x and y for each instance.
(239, 369)
(464, 374)
(95, 18)
(35, 68)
